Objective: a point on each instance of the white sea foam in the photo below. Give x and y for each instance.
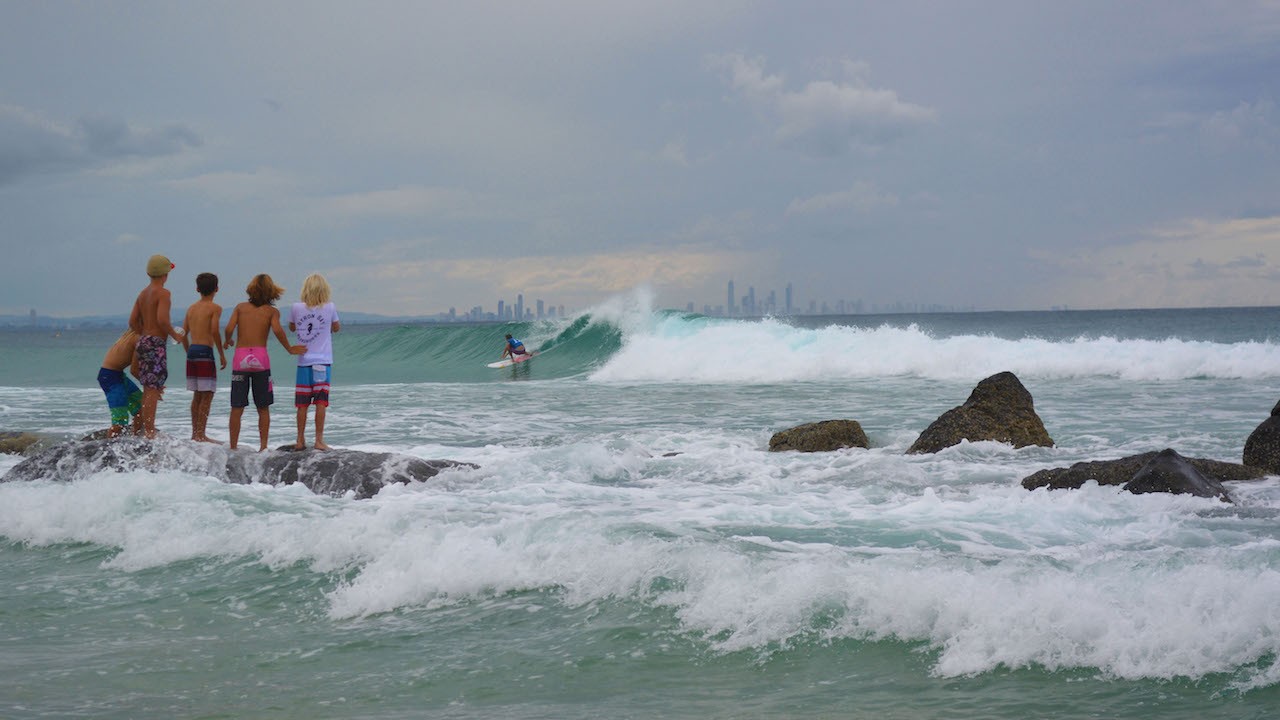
(775, 551)
(675, 349)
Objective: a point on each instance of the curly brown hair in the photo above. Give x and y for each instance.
(263, 290)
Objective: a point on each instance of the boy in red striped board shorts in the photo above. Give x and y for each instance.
(202, 335)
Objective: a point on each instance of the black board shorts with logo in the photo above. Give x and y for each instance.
(259, 381)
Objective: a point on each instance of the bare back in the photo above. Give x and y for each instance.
(201, 323)
(251, 324)
(120, 354)
(150, 314)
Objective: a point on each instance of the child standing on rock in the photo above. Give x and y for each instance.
(314, 320)
(251, 365)
(202, 335)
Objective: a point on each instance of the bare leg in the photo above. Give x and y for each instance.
(302, 426)
(195, 416)
(264, 427)
(233, 425)
(206, 404)
(320, 411)
(150, 398)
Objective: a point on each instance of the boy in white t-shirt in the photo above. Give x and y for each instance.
(314, 320)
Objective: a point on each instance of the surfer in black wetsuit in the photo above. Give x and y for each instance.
(513, 348)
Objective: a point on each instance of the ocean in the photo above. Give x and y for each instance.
(628, 548)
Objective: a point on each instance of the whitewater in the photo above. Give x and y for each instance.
(628, 547)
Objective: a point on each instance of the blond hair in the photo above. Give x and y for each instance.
(315, 290)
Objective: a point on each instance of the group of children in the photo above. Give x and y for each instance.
(143, 349)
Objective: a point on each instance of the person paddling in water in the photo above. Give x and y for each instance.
(251, 366)
(513, 348)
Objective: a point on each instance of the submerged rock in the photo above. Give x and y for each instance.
(330, 472)
(1123, 470)
(1262, 448)
(822, 436)
(1171, 473)
(17, 443)
(998, 409)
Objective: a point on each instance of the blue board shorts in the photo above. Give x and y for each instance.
(123, 397)
(312, 386)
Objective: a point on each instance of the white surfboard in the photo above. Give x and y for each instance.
(509, 361)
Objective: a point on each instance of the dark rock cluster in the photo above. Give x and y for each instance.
(333, 472)
(1001, 409)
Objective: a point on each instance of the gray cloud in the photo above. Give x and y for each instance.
(31, 144)
(1003, 155)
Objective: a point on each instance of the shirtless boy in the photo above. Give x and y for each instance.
(202, 335)
(150, 320)
(123, 397)
(251, 366)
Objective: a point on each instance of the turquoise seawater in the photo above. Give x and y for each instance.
(628, 547)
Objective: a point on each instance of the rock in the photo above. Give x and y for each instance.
(331, 472)
(17, 443)
(998, 409)
(1121, 471)
(1171, 473)
(820, 437)
(1262, 448)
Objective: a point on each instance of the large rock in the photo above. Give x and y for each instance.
(333, 472)
(998, 409)
(820, 437)
(1123, 470)
(1169, 472)
(1262, 448)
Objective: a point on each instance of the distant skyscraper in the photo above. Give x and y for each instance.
(520, 307)
(789, 298)
(539, 309)
(502, 309)
(33, 317)
(729, 307)
(749, 307)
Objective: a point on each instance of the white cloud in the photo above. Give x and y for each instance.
(825, 117)
(403, 201)
(674, 153)
(1247, 124)
(260, 185)
(862, 197)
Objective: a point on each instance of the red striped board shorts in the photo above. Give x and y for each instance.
(202, 374)
(312, 386)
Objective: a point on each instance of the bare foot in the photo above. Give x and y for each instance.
(299, 446)
(207, 439)
(320, 446)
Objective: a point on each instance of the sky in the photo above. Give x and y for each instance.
(425, 155)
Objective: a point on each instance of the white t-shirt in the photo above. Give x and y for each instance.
(313, 326)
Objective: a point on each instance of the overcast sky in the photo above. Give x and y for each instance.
(422, 155)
